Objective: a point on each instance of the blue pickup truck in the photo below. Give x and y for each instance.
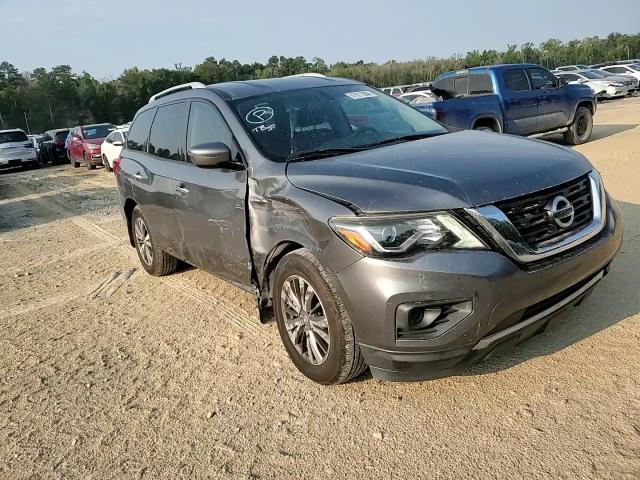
(522, 99)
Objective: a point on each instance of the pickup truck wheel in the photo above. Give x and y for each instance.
(581, 128)
(314, 326)
(155, 261)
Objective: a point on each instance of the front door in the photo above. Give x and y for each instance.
(520, 103)
(211, 207)
(553, 105)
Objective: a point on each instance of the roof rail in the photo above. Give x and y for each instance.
(177, 88)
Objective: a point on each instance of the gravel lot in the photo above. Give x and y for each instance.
(176, 378)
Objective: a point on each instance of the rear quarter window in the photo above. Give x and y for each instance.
(480, 84)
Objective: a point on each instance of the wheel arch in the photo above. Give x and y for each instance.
(272, 260)
(486, 120)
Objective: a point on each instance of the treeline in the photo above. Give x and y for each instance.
(59, 97)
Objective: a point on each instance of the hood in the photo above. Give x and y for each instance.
(456, 170)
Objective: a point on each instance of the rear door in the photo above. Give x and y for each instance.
(155, 146)
(520, 102)
(211, 203)
(553, 104)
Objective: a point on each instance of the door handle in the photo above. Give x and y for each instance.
(181, 189)
(137, 176)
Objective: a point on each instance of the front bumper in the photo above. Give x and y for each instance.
(510, 304)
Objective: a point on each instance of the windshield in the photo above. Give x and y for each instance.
(597, 73)
(635, 66)
(8, 137)
(286, 125)
(61, 136)
(590, 75)
(97, 131)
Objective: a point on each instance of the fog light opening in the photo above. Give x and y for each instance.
(422, 320)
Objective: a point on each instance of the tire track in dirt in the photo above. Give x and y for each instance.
(236, 316)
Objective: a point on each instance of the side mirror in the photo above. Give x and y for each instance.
(210, 155)
(117, 143)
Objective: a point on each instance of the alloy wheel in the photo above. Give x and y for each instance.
(305, 320)
(143, 241)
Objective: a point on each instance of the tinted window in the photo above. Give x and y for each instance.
(616, 69)
(444, 84)
(61, 136)
(7, 137)
(541, 78)
(167, 136)
(480, 83)
(461, 85)
(516, 80)
(207, 125)
(140, 130)
(571, 77)
(110, 138)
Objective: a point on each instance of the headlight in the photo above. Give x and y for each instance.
(394, 235)
(92, 146)
(616, 84)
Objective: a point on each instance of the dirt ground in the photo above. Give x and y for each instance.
(176, 378)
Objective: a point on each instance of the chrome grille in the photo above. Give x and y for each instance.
(529, 217)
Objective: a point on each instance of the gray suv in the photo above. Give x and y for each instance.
(376, 237)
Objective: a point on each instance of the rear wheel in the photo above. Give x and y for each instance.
(314, 326)
(581, 128)
(155, 261)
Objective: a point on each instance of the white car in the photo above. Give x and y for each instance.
(16, 149)
(632, 82)
(602, 87)
(629, 70)
(572, 68)
(417, 98)
(112, 146)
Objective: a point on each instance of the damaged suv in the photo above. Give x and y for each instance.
(376, 237)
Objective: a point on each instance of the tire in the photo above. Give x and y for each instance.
(581, 128)
(161, 263)
(89, 165)
(106, 164)
(484, 128)
(343, 360)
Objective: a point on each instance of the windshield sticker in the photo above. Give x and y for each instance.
(261, 113)
(361, 94)
(264, 128)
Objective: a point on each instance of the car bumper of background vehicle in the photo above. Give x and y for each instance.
(510, 304)
(16, 161)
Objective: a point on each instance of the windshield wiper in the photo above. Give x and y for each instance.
(403, 138)
(326, 152)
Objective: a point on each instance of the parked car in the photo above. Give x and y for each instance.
(376, 237)
(631, 82)
(519, 99)
(112, 146)
(36, 141)
(601, 87)
(17, 150)
(420, 97)
(572, 68)
(52, 148)
(85, 144)
(420, 87)
(631, 70)
(393, 91)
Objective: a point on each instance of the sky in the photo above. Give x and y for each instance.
(104, 37)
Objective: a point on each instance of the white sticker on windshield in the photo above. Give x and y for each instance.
(261, 113)
(361, 94)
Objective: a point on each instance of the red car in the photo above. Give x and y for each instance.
(85, 144)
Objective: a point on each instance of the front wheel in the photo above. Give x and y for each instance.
(154, 260)
(314, 326)
(581, 128)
